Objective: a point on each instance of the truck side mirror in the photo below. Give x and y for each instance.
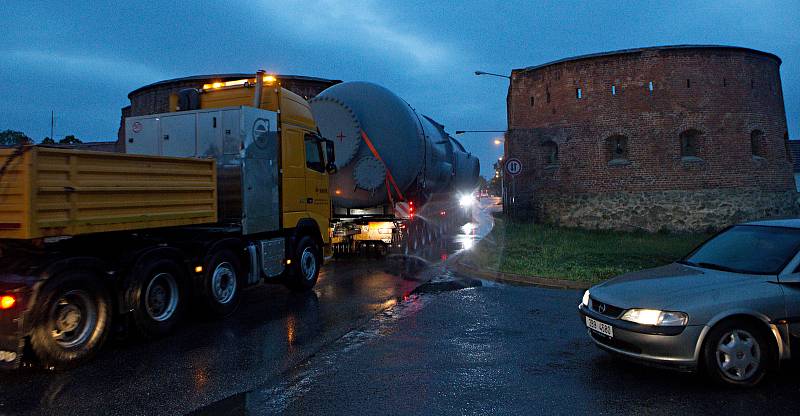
(330, 156)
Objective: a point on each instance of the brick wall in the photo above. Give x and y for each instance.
(724, 93)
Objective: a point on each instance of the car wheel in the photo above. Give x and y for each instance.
(72, 320)
(306, 265)
(159, 297)
(222, 283)
(737, 353)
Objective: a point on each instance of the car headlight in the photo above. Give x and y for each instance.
(655, 317)
(466, 201)
(585, 301)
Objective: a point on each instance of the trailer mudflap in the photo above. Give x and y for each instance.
(14, 321)
(12, 340)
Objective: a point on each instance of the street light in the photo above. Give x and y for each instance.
(498, 142)
(460, 132)
(489, 73)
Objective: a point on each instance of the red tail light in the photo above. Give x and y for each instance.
(7, 301)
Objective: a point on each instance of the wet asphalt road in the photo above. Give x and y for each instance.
(493, 350)
(395, 336)
(203, 362)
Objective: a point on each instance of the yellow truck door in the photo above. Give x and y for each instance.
(294, 176)
(317, 199)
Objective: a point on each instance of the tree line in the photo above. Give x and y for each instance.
(16, 138)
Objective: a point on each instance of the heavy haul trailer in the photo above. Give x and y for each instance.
(89, 239)
(400, 176)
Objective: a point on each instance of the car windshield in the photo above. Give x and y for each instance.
(748, 249)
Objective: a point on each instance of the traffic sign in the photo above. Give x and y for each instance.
(513, 166)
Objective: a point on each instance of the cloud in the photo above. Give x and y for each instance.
(357, 24)
(84, 65)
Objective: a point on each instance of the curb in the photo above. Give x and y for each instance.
(517, 279)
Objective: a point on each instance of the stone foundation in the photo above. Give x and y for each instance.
(677, 211)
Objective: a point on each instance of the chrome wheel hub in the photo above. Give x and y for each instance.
(308, 264)
(73, 318)
(161, 297)
(738, 355)
(223, 283)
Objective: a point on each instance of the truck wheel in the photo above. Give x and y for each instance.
(736, 353)
(306, 265)
(159, 298)
(72, 320)
(222, 283)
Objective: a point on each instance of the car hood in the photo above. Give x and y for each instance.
(671, 287)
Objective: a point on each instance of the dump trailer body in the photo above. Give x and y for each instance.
(50, 192)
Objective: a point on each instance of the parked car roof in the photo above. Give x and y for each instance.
(787, 223)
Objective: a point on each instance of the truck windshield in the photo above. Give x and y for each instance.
(748, 249)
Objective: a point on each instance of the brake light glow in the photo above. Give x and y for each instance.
(7, 302)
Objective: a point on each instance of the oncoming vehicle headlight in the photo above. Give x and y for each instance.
(655, 317)
(585, 301)
(466, 200)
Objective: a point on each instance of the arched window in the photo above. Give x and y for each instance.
(757, 147)
(690, 143)
(617, 148)
(550, 152)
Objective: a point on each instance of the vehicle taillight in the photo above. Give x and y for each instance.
(7, 301)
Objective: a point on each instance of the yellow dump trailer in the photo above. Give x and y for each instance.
(49, 192)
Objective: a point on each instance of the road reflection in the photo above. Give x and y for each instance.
(273, 331)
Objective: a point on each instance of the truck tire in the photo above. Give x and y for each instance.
(72, 320)
(222, 284)
(306, 264)
(158, 294)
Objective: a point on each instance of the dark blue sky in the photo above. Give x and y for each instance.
(81, 58)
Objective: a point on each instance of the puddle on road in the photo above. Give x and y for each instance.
(297, 382)
(425, 265)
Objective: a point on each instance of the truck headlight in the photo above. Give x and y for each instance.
(585, 301)
(655, 317)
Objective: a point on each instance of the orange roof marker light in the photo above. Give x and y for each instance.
(7, 302)
(268, 80)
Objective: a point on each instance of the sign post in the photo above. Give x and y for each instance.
(513, 167)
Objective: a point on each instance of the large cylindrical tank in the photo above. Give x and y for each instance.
(377, 133)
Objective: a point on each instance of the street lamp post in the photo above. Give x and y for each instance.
(502, 168)
(460, 132)
(479, 73)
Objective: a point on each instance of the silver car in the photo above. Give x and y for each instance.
(731, 307)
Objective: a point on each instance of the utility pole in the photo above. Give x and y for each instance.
(52, 124)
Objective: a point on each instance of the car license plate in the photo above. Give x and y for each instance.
(600, 327)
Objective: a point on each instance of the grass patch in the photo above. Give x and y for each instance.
(575, 254)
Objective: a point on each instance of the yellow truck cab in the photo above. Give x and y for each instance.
(305, 157)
